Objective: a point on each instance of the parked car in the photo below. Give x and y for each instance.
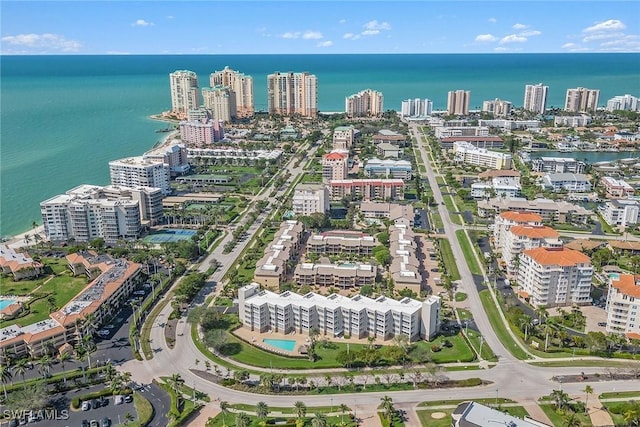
(106, 422)
(128, 398)
(85, 423)
(95, 404)
(118, 399)
(103, 401)
(86, 405)
(94, 423)
(141, 292)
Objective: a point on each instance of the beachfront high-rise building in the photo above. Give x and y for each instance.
(625, 103)
(581, 100)
(89, 212)
(138, 171)
(416, 107)
(535, 98)
(184, 92)
(366, 103)
(497, 107)
(203, 132)
(221, 101)
(458, 102)
(292, 93)
(240, 85)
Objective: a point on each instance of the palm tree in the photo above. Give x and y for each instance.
(5, 377)
(525, 323)
(560, 398)
(387, 406)
(343, 409)
(319, 420)
(632, 417)
(45, 365)
(64, 358)
(262, 410)
(329, 379)
(301, 409)
(177, 381)
(224, 410)
(242, 420)
(572, 420)
(20, 368)
(588, 390)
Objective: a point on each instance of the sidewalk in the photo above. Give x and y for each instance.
(599, 417)
(210, 410)
(536, 413)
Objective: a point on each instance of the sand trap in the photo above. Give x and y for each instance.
(438, 415)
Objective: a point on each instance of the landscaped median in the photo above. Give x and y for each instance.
(469, 252)
(493, 313)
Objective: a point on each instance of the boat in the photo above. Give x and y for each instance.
(164, 130)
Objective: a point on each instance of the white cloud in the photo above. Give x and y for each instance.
(291, 35)
(351, 36)
(486, 38)
(312, 35)
(142, 23)
(342, 21)
(327, 43)
(569, 46)
(500, 49)
(513, 38)
(375, 25)
(608, 25)
(530, 33)
(492, 20)
(170, 16)
(519, 26)
(370, 32)
(601, 36)
(623, 44)
(43, 42)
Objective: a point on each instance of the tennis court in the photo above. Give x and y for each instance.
(169, 235)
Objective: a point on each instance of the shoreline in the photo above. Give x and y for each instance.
(17, 240)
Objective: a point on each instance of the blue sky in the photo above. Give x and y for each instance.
(309, 27)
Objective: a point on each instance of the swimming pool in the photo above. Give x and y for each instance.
(287, 345)
(614, 276)
(169, 235)
(4, 303)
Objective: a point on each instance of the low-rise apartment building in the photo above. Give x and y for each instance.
(476, 141)
(455, 131)
(337, 315)
(101, 298)
(467, 153)
(392, 211)
(20, 265)
(342, 242)
(389, 136)
(343, 137)
(509, 125)
(520, 238)
(623, 305)
(551, 211)
(557, 165)
(405, 267)
(499, 187)
(234, 153)
(386, 149)
(572, 121)
(310, 198)
(273, 267)
(621, 213)
(569, 182)
(555, 277)
(368, 189)
(616, 188)
(400, 169)
(342, 276)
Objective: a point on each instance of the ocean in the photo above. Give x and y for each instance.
(63, 118)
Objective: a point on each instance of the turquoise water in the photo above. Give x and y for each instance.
(588, 156)
(65, 117)
(5, 303)
(614, 276)
(287, 345)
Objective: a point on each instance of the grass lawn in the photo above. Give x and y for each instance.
(221, 420)
(486, 352)
(63, 288)
(290, 409)
(558, 419)
(620, 394)
(516, 411)
(484, 401)
(618, 409)
(436, 221)
(498, 326)
(455, 217)
(449, 261)
(586, 363)
(460, 296)
(143, 409)
(459, 352)
(468, 251)
(427, 420)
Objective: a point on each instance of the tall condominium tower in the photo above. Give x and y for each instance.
(626, 102)
(364, 103)
(497, 107)
(292, 93)
(240, 85)
(581, 100)
(416, 107)
(184, 91)
(221, 101)
(458, 102)
(535, 98)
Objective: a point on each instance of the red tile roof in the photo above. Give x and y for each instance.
(521, 216)
(628, 285)
(557, 256)
(534, 232)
